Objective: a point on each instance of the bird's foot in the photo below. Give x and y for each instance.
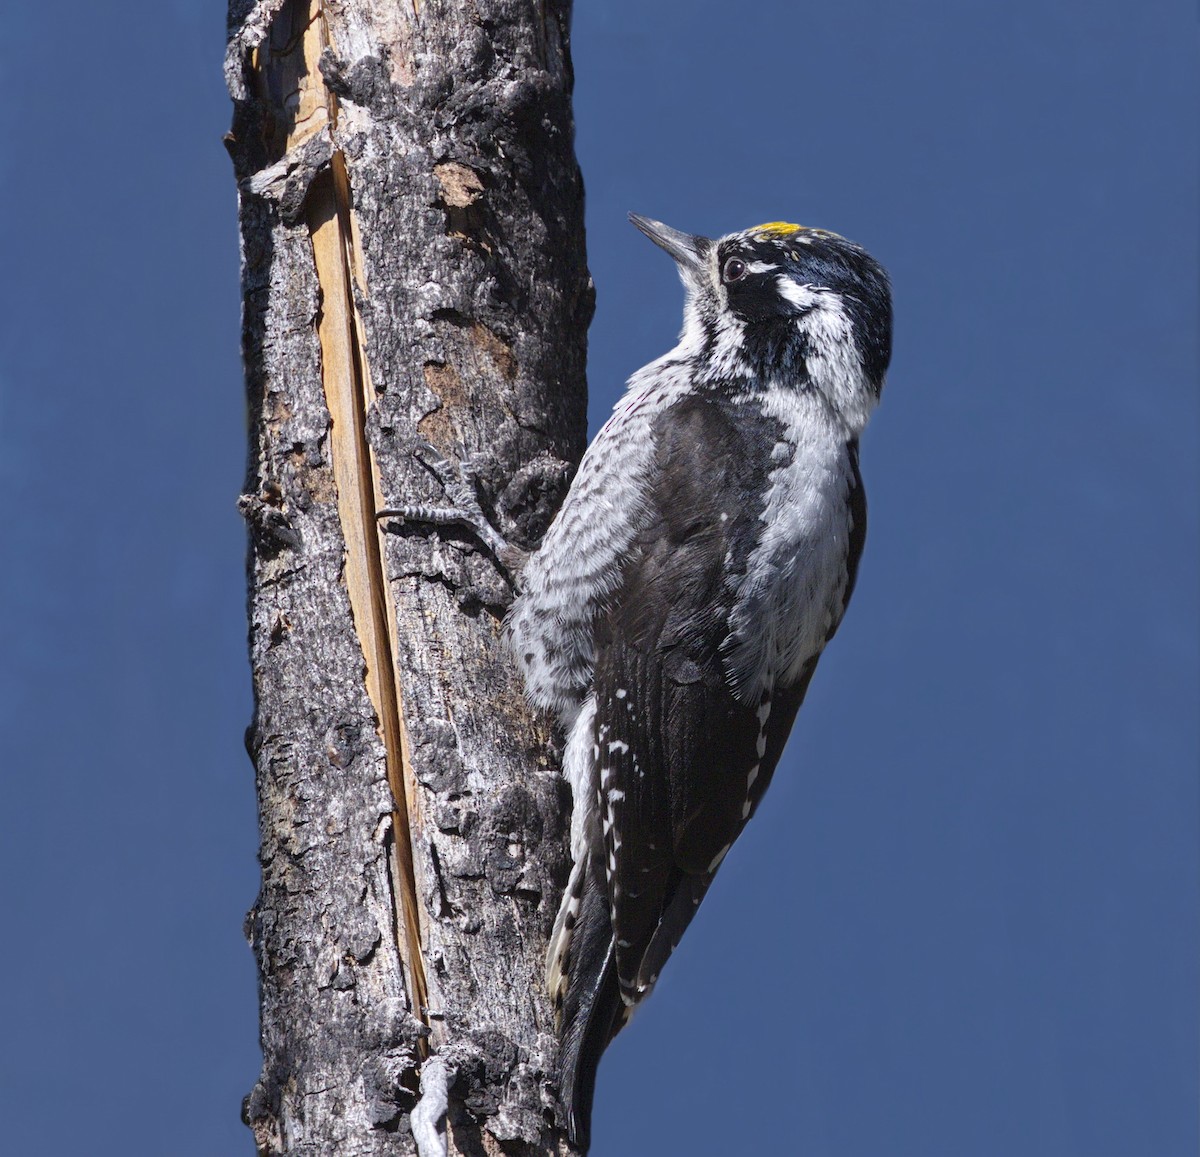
(464, 510)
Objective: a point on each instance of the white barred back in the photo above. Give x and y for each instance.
(579, 562)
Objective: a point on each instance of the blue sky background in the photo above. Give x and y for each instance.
(965, 920)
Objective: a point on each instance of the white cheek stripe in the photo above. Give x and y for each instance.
(834, 361)
(804, 296)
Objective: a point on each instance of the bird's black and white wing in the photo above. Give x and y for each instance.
(683, 762)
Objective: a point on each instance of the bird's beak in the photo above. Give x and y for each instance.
(688, 249)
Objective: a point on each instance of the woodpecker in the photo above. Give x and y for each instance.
(675, 611)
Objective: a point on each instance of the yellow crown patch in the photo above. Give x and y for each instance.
(776, 229)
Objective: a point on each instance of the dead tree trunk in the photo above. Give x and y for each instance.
(413, 272)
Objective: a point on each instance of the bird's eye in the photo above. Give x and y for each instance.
(735, 269)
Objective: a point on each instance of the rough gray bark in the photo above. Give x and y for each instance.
(413, 270)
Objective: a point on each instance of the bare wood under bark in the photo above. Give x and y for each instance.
(413, 269)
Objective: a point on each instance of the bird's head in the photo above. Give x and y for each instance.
(783, 305)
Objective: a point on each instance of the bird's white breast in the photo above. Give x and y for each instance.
(793, 588)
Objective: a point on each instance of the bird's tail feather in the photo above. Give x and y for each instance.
(592, 1010)
(686, 895)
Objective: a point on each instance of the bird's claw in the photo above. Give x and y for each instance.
(464, 511)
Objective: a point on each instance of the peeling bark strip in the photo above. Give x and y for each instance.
(411, 218)
(345, 379)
